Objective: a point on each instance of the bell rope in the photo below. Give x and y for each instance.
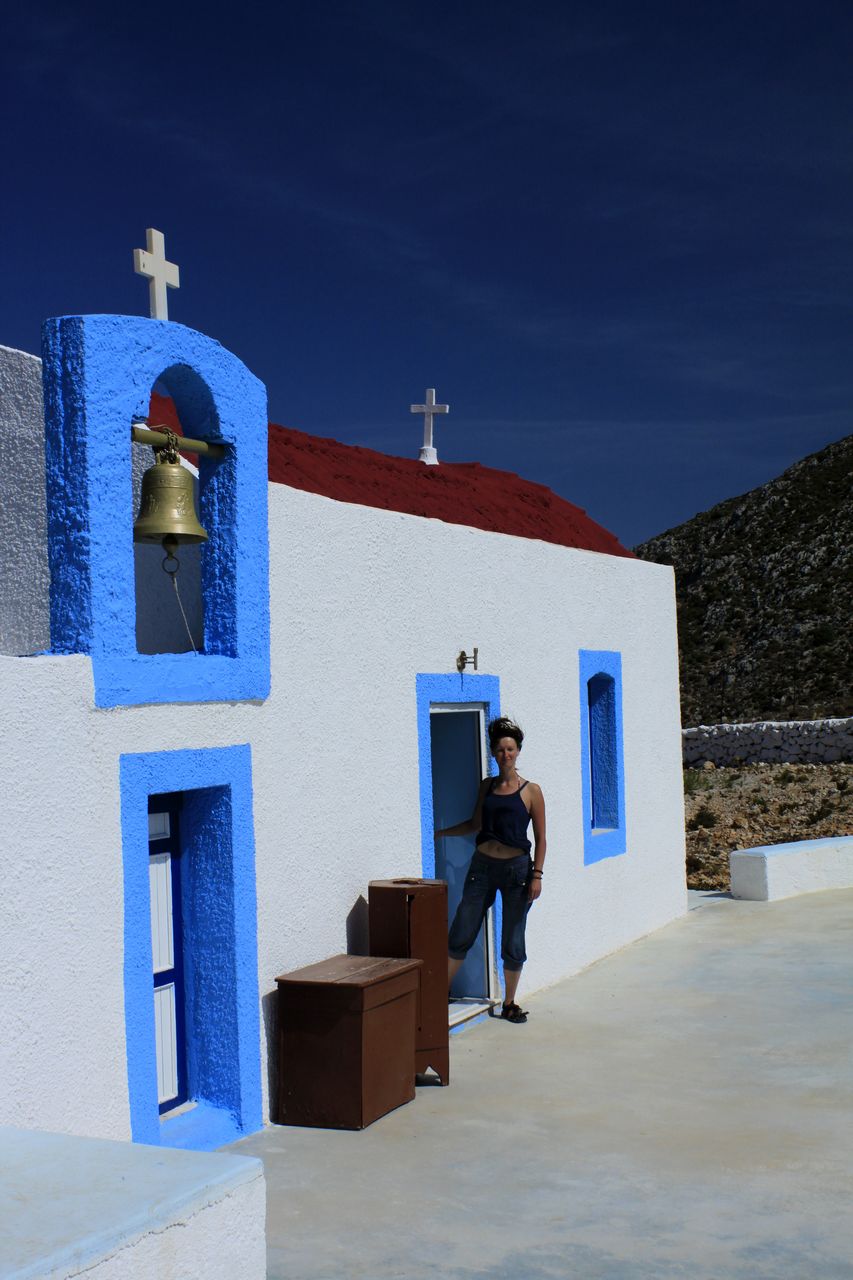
(173, 574)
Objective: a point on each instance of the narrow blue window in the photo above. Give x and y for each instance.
(604, 797)
(602, 771)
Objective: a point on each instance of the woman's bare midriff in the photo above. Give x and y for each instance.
(494, 849)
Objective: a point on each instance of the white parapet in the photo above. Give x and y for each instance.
(783, 870)
(120, 1211)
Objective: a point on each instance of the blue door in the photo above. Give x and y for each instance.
(456, 750)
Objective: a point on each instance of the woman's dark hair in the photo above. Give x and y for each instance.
(503, 727)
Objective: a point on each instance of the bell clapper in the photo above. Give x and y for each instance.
(170, 545)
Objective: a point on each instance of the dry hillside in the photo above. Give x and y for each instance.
(738, 808)
(764, 585)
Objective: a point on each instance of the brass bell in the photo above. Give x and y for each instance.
(167, 507)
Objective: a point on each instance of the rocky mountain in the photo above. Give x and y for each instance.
(764, 585)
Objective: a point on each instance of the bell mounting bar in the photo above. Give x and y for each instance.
(159, 439)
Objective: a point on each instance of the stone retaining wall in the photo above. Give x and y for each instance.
(775, 742)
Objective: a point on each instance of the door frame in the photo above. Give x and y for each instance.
(463, 708)
(440, 690)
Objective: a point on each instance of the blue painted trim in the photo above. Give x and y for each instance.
(98, 374)
(202, 1128)
(220, 945)
(484, 690)
(469, 1022)
(612, 841)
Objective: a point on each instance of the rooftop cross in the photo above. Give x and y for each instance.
(428, 453)
(162, 274)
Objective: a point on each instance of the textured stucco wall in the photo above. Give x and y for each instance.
(770, 741)
(219, 1241)
(24, 576)
(361, 601)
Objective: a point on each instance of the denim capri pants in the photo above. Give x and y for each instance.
(484, 877)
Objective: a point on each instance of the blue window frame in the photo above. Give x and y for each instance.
(220, 947)
(602, 757)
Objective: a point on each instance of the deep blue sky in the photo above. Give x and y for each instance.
(616, 237)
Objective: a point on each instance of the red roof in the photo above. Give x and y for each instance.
(457, 492)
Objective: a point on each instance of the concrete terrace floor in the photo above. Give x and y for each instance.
(683, 1108)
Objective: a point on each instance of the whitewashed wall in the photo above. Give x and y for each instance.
(221, 1241)
(362, 600)
(24, 575)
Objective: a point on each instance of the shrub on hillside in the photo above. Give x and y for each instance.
(703, 817)
(695, 780)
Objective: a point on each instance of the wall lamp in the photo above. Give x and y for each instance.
(464, 660)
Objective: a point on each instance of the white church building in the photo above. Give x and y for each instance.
(194, 808)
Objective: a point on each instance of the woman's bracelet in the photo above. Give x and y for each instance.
(537, 872)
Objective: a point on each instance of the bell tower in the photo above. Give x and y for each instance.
(98, 375)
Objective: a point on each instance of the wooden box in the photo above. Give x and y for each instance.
(347, 1040)
(408, 918)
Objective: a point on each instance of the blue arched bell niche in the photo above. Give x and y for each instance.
(98, 376)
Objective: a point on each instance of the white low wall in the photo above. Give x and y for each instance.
(783, 870)
(118, 1211)
(771, 741)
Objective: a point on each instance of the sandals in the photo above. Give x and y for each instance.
(512, 1013)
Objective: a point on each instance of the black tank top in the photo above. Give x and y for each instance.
(505, 819)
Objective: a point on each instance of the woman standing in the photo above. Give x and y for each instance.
(505, 807)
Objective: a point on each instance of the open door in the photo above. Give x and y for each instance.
(457, 749)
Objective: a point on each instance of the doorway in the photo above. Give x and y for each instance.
(458, 759)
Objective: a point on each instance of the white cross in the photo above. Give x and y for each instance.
(162, 274)
(428, 453)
